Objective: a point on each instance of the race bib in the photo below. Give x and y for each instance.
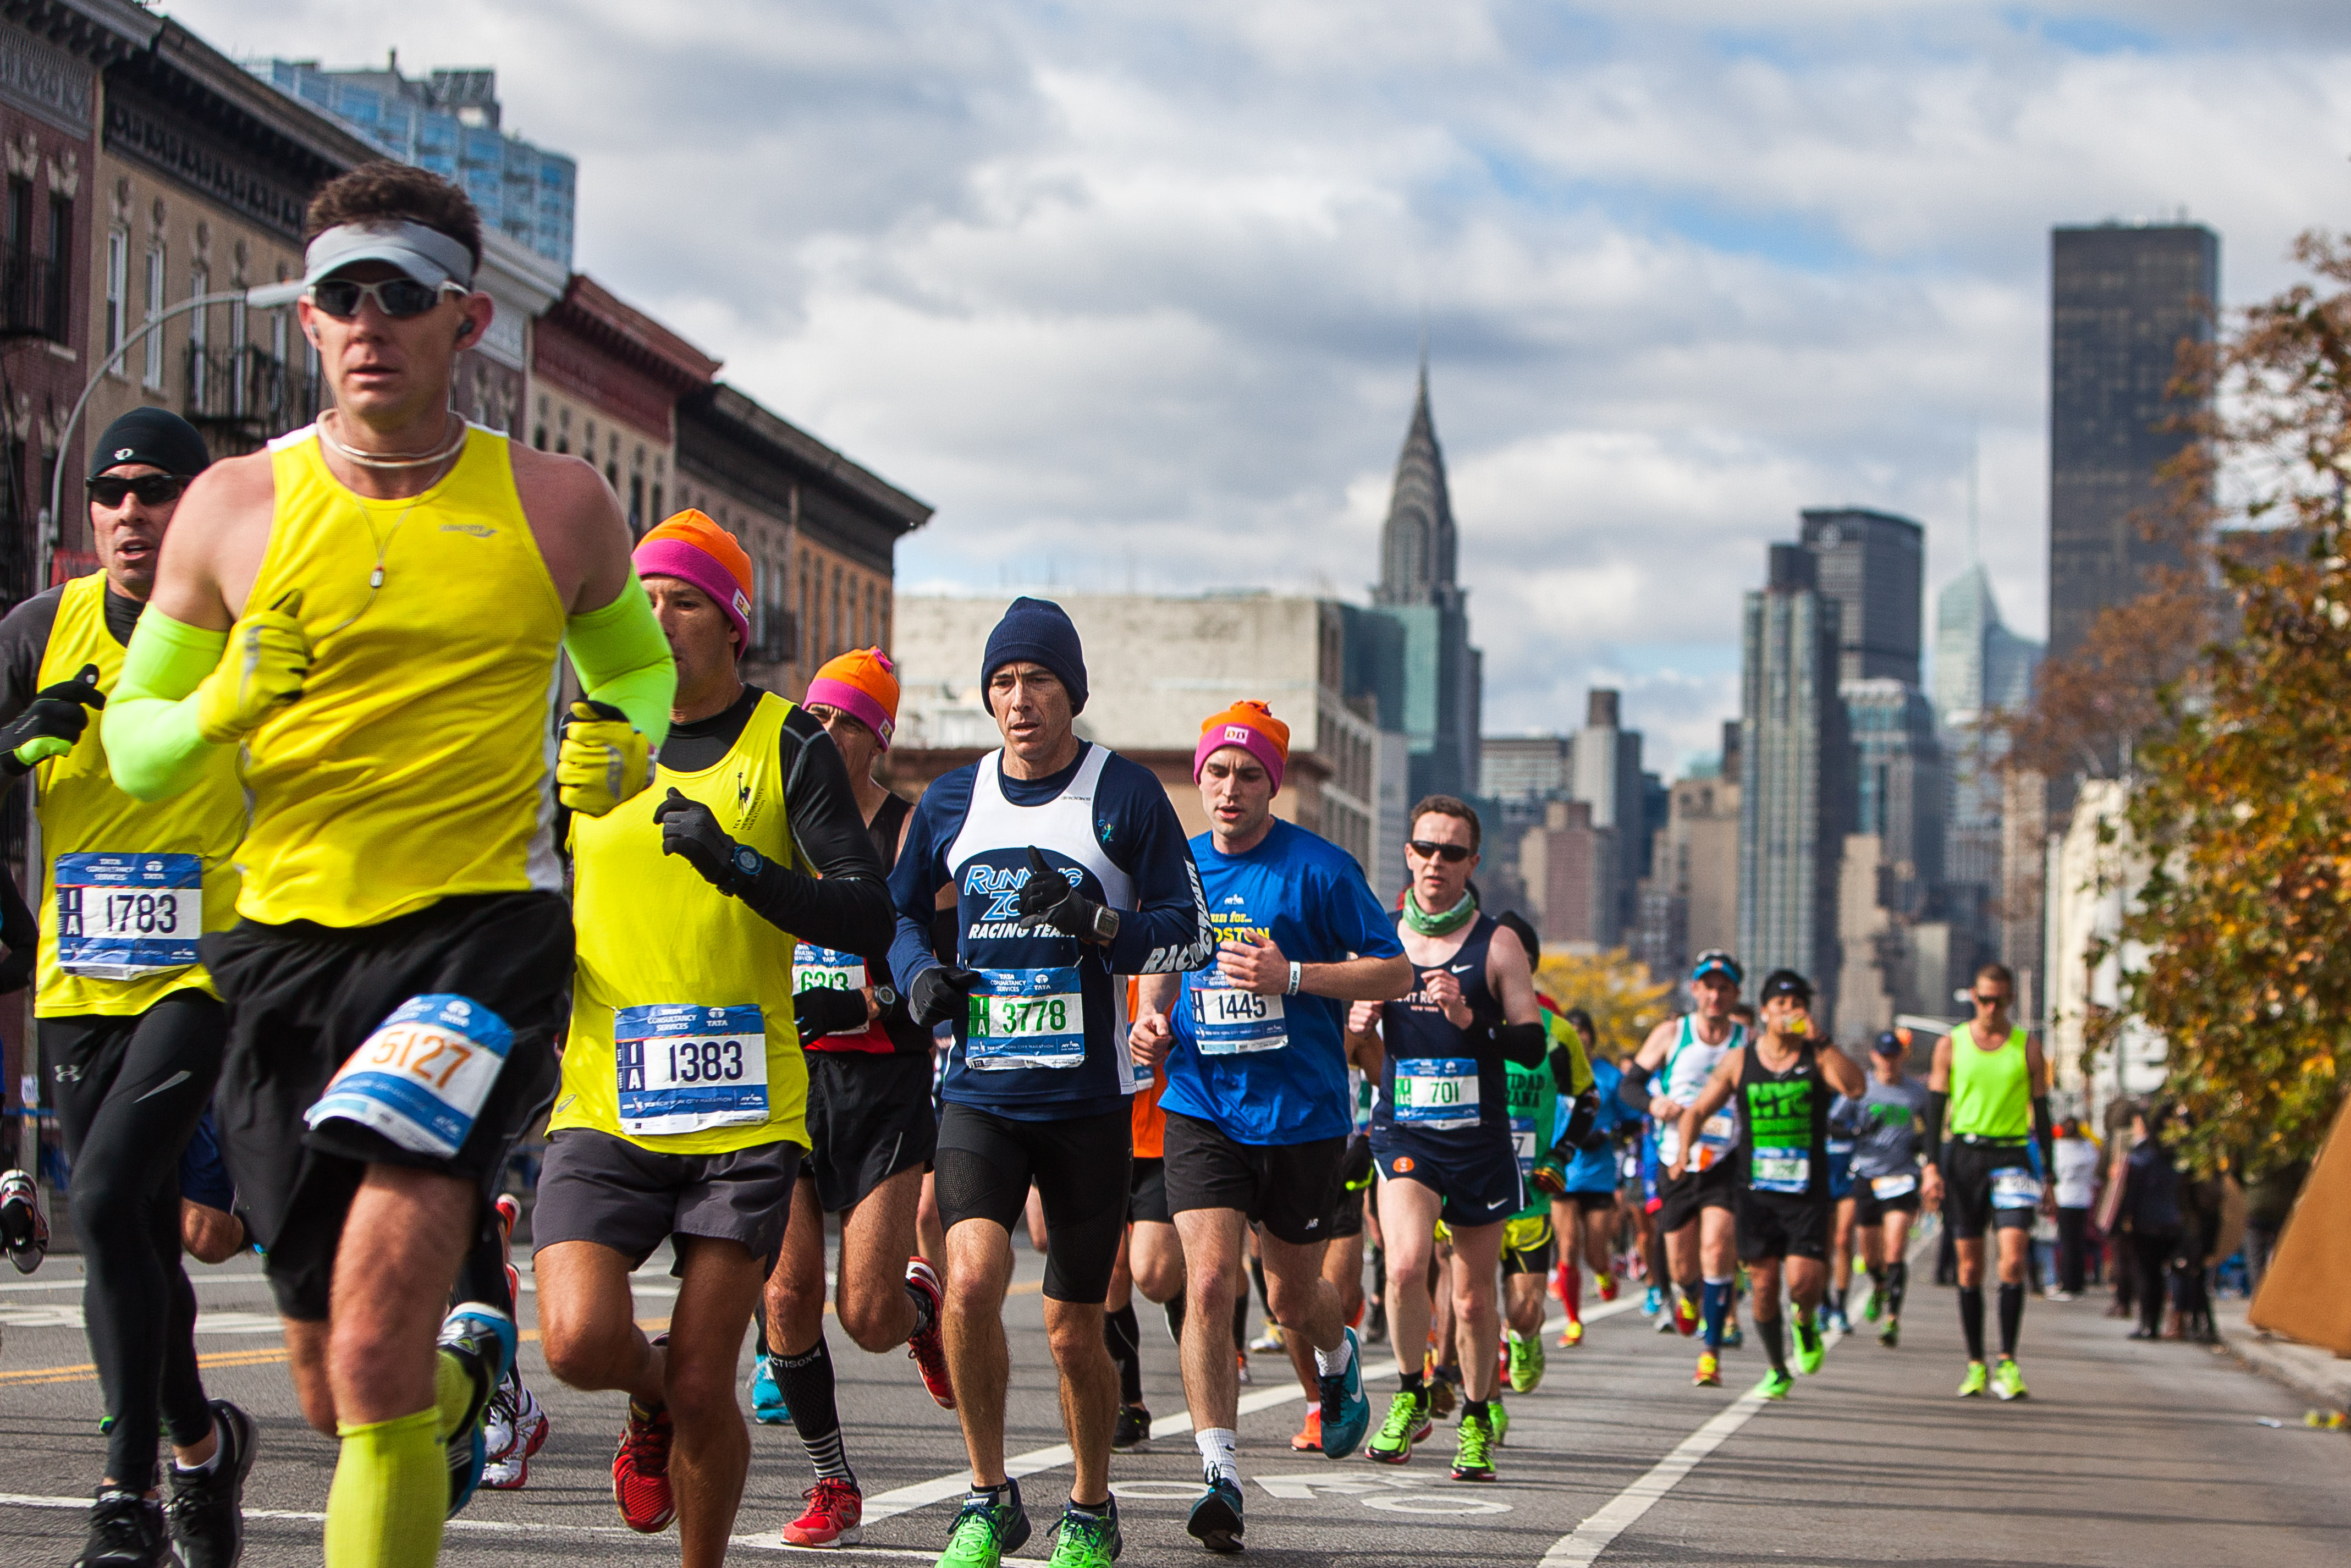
(123, 916)
(1780, 1170)
(1227, 1020)
(1026, 1018)
(816, 969)
(1886, 1187)
(1522, 1141)
(421, 1078)
(1437, 1092)
(2014, 1187)
(681, 1067)
(1716, 1135)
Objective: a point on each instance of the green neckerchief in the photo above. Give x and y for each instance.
(1444, 924)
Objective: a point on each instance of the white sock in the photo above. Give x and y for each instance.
(220, 1447)
(1333, 1363)
(1217, 1452)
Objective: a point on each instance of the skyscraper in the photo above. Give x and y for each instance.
(2121, 302)
(1441, 676)
(1795, 799)
(1873, 565)
(1981, 670)
(1609, 777)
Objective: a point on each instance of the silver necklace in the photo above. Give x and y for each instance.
(381, 460)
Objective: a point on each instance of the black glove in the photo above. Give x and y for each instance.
(824, 1009)
(940, 994)
(689, 829)
(51, 722)
(1582, 1117)
(1047, 898)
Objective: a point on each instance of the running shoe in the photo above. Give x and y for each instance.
(1874, 1308)
(1972, 1385)
(1132, 1433)
(1834, 1318)
(480, 1339)
(1891, 1334)
(1093, 1540)
(1775, 1385)
(204, 1512)
(769, 1407)
(2007, 1382)
(1666, 1322)
(1407, 1422)
(23, 1229)
(1441, 1382)
(641, 1471)
(1709, 1371)
(1345, 1414)
(126, 1531)
(833, 1517)
(1526, 1358)
(1268, 1343)
(1308, 1439)
(1473, 1451)
(1733, 1336)
(1651, 1302)
(1215, 1521)
(1810, 1350)
(1609, 1289)
(985, 1529)
(514, 1430)
(1572, 1334)
(928, 1346)
(1684, 1316)
(1501, 1419)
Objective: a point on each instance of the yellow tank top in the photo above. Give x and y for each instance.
(417, 764)
(1992, 1090)
(682, 995)
(127, 866)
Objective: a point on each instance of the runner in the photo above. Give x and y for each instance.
(1886, 1180)
(871, 1132)
(130, 1026)
(1696, 1187)
(1586, 1215)
(1841, 1128)
(1257, 1102)
(1069, 867)
(1987, 1094)
(1150, 1256)
(396, 586)
(1343, 1254)
(1782, 1084)
(1441, 1132)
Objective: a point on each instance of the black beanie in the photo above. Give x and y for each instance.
(1036, 632)
(151, 436)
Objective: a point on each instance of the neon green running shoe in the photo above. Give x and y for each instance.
(1775, 1385)
(983, 1531)
(1473, 1453)
(1406, 1423)
(1087, 1540)
(1972, 1387)
(1810, 1350)
(2007, 1382)
(1890, 1334)
(1876, 1307)
(1501, 1419)
(1526, 1361)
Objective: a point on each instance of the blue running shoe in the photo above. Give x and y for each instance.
(1346, 1408)
(768, 1407)
(1652, 1303)
(482, 1340)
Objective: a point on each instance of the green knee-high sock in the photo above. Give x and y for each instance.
(392, 1487)
(454, 1390)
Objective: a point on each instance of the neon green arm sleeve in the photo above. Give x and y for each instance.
(149, 723)
(625, 660)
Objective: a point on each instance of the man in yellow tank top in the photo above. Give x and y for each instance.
(369, 615)
(1989, 1149)
(683, 1116)
(132, 1029)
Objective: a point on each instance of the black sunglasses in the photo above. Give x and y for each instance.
(398, 297)
(1985, 1002)
(153, 489)
(1451, 854)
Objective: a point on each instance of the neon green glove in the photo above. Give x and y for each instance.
(262, 671)
(603, 759)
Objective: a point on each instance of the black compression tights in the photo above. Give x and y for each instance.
(132, 1096)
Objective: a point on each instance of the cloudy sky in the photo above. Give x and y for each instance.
(1131, 292)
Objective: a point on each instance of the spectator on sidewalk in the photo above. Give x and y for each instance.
(2122, 1268)
(2151, 1210)
(2078, 1156)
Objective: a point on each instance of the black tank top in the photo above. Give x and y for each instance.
(1442, 1060)
(1783, 1123)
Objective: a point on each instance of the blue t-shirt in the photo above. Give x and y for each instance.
(1308, 895)
(1595, 1170)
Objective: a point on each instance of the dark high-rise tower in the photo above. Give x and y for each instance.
(2121, 300)
(1873, 564)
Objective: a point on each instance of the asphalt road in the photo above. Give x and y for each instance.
(2129, 1454)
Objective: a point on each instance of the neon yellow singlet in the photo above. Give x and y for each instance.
(81, 812)
(654, 933)
(415, 766)
(1992, 1090)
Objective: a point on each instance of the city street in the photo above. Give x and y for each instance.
(2126, 1454)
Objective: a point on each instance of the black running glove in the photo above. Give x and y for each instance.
(1047, 898)
(940, 994)
(51, 722)
(824, 1009)
(689, 829)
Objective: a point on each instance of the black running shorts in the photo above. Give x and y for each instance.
(596, 1187)
(303, 997)
(1870, 1209)
(1783, 1225)
(1593, 1202)
(1146, 1192)
(869, 1117)
(1681, 1199)
(1286, 1188)
(1969, 1172)
(1356, 1174)
(986, 1162)
(1528, 1245)
(1481, 1183)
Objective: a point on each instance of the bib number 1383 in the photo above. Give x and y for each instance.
(681, 1068)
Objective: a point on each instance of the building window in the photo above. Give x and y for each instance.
(61, 259)
(200, 334)
(118, 289)
(153, 378)
(870, 639)
(657, 513)
(636, 504)
(834, 645)
(238, 336)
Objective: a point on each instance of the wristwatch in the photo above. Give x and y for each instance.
(747, 861)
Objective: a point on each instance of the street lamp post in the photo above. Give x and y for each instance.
(267, 296)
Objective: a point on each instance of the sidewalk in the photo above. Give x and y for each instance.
(2316, 1374)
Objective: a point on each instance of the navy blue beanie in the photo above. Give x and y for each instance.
(1036, 632)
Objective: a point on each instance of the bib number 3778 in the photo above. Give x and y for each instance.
(421, 1079)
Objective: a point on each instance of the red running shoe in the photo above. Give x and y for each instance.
(835, 1512)
(1684, 1316)
(928, 1347)
(1609, 1288)
(1308, 1439)
(640, 1473)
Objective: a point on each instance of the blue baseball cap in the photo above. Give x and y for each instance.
(1714, 961)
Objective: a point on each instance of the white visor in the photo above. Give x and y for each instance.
(428, 256)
